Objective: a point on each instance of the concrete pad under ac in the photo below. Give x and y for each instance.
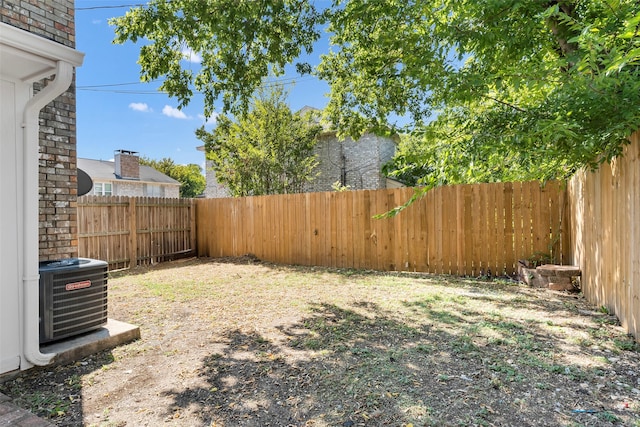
(111, 335)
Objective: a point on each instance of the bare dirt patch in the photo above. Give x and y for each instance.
(241, 343)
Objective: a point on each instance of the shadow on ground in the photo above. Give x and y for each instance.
(393, 350)
(55, 392)
(362, 366)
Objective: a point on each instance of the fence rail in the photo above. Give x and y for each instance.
(463, 229)
(130, 231)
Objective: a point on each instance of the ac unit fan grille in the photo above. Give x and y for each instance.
(76, 301)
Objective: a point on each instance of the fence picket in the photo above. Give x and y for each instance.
(509, 252)
(458, 230)
(127, 232)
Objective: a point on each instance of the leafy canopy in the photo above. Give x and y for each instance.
(190, 176)
(241, 42)
(550, 85)
(269, 150)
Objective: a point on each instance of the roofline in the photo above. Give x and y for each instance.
(135, 180)
(47, 52)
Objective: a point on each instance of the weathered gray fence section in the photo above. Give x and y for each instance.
(130, 231)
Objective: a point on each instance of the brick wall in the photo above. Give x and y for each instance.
(214, 190)
(357, 164)
(51, 19)
(172, 191)
(54, 20)
(127, 165)
(139, 189)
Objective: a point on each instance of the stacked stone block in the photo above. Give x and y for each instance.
(551, 276)
(53, 20)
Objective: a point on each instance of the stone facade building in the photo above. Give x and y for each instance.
(353, 164)
(356, 165)
(213, 190)
(53, 20)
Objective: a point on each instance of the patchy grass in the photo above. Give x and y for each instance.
(239, 343)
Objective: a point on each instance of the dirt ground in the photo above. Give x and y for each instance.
(243, 343)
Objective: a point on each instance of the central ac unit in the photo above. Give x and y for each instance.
(73, 297)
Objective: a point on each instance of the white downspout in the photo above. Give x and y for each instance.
(31, 276)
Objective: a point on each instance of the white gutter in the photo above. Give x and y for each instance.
(30, 280)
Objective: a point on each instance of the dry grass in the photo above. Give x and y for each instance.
(238, 343)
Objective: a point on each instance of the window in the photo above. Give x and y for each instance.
(102, 189)
(153, 190)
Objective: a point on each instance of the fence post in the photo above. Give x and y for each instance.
(192, 226)
(133, 233)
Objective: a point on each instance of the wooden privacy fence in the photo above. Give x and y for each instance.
(462, 229)
(605, 216)
(130, 231)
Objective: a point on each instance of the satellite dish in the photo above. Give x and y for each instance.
(85, 183)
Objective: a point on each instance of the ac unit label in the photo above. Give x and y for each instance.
(78, 285)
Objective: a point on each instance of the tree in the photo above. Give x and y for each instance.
(241, 42)
(427, 159)
(550, 83)
(192, 181)
(190, 176)
(269, 150)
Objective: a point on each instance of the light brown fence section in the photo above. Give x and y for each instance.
(605, 212)
(463, 229)
(130, 231)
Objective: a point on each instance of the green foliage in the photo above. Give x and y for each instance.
(165, 165)
(192, 179)
(521, 90)
(240, 42)
(540, 258)
(537, 92)
(627, 344)
(412, 162)
(338, 187)
(190, 176)
(269, 150)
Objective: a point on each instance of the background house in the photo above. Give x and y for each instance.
(356, 164)
(353, 164)
(125, 176)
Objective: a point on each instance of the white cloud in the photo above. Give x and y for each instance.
(209, 121)
(169, 111)
(96, 21)
(191, 56)
(140, 106)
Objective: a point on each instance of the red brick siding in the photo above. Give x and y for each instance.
(53, 20)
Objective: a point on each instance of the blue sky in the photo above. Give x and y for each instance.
(115, 112)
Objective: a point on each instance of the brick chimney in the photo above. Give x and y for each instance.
(127, 164)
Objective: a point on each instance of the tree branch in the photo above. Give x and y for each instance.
(504, 103)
